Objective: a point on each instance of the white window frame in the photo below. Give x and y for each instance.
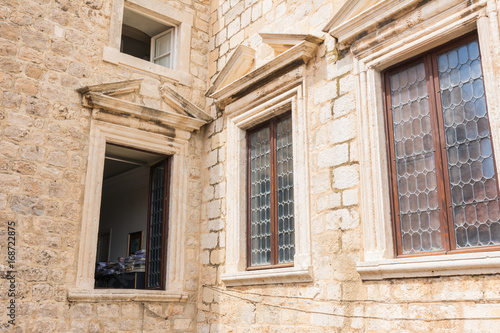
(378, 259)
(159, 11)
(244, 114)
(172, 52)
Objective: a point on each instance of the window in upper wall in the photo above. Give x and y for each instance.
(133, 220)
(442, 169)
(271, 232)
(147, 39)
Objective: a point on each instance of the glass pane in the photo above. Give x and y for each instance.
(416, 173)
(162, 44)
(156, 225)
(284, 166)
(260, 197)
(470, 160)
(163, 61)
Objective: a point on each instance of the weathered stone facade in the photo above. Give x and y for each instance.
(347, 278)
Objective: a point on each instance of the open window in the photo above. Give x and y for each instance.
(133, 228)
(151, 36)
(147, 39)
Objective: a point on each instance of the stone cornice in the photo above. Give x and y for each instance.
(345, 28)
(269, 276)
(125, 295)
(295, 56)
(129, 109)
(238, 65)
(283, 42)
(443, 265)
(181, 104)
(103, 96)
(113, 88)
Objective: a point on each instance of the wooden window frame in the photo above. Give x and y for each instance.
(447, 229)
(271, 124)
(164, 234)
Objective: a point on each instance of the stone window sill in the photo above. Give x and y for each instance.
(114, 56)
(443, 265)
(268, 276)
(126, 295)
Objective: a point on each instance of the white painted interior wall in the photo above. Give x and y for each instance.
(124, 208)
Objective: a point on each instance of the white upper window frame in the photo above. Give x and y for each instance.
(172, 52)
(161, 12)
(448, 20)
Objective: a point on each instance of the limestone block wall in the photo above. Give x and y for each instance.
(48, 49)
(337, 300)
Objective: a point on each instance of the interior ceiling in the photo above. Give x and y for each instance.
(121, 159)
(143, 23)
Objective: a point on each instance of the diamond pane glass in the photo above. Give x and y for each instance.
(156, 226)
(260, 197)
(284, 165)
(473, 186)
(415, 166)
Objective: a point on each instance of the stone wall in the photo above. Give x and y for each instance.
(48, 49)
(337, 299)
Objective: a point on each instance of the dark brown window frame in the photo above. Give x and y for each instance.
(271, 124)
(164, 235)
(441, 160)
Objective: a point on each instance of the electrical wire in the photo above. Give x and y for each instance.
(482, 300)
(255, 303)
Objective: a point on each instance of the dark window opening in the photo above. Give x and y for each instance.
(131, 249)
(135, 43)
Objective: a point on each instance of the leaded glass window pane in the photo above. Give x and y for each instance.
(260, 197)
(442, 161)
(473, 183)
(271, 220)
(156, 225)
(415, 164)
(284, 157)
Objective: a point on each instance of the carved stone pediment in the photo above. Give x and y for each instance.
(239, 64)
(120, 103)
(283, 42)
(379, 30)
(356, 17)
(295, 51)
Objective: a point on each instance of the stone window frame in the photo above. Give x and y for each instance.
(182, 23)
(452, 20)
(277, 87)
(124, 123)
(100, 134)
(242, 116)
